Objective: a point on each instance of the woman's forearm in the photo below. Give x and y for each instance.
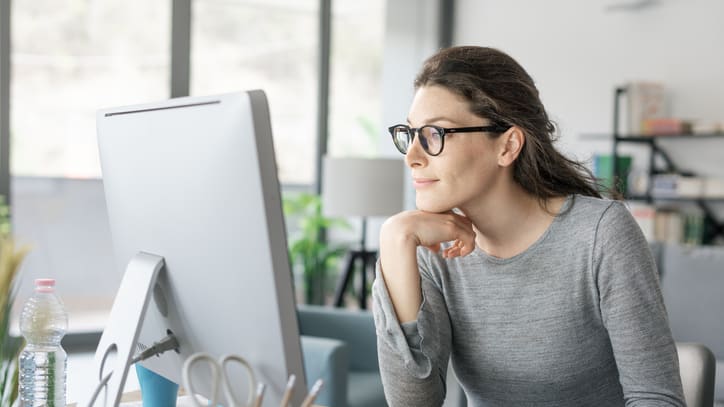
(398, 258)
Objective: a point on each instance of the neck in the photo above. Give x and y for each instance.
(510, 220)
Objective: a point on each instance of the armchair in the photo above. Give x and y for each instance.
(326, 359)
(691, 283)
(698, 369)
(353, 381)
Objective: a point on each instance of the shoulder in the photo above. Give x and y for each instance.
(604, 213)
(597, 221)
(588, 205)
(612, 217)
(615, 231)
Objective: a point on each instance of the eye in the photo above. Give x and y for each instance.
(401, 138)
(433, 139)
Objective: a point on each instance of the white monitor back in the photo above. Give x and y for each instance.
(195, 180)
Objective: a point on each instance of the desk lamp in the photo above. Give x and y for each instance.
(361, 187)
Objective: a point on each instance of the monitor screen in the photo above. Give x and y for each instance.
(194, 180)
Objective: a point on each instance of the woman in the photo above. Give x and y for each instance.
(540, 291)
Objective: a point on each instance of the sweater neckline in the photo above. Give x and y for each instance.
(532, 248)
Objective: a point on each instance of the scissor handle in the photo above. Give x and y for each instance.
(228, 388)
(216, 370)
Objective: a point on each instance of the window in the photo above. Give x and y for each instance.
(355, 106)
(70, 58)
(269, 45)
(112, 52)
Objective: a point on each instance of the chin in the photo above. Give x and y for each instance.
(433, 205)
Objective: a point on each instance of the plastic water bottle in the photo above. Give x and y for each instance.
(43, 323)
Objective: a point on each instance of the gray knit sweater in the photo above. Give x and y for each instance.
(577, 319)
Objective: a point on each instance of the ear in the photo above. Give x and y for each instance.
(511, 144)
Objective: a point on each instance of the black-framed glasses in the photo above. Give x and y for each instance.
(432, 138)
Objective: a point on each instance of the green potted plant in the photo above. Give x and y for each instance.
(307, 250)
(10, 258)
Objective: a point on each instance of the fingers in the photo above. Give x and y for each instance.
(464, 244)
(433, 247)
(459, 248)
(432, 229)
(452, 251)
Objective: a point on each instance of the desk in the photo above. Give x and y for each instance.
(81, 362)
(135, 396)
(126, 398)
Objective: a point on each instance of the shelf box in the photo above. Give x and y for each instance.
(675, 185)
(713, 188)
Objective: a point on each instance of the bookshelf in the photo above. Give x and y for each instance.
(712, 226)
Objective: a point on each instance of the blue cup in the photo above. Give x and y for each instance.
(156, 390)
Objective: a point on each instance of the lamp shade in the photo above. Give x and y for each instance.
(362, 186)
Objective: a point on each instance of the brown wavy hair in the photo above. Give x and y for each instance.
(499, 89)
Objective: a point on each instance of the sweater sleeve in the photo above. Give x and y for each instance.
(633, 312)
(413, 356)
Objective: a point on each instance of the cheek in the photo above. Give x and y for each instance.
(473, 177)
(467, 178)
(473, 169)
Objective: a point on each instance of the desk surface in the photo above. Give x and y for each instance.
(88, 316)
(135, 396)
(126, 398)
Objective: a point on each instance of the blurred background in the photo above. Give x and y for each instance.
(337, 73)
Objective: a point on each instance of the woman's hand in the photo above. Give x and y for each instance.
(430, 230)
(400, 236)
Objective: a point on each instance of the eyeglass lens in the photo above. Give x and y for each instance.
(430, 138)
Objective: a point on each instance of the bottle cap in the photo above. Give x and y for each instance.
(44, 285)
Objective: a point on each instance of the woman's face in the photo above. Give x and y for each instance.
(466, 169)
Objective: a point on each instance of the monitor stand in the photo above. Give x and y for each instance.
(118, 342)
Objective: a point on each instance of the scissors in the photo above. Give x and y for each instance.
(218, 374)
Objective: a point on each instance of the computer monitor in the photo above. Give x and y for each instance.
(194, 181)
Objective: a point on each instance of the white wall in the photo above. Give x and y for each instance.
(411, 32)
(66, 225)
(578, 52)
(411, 35)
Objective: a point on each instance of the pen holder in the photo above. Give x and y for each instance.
(156, 390)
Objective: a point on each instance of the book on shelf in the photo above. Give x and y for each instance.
(684, 186)
(713, 187)
(646, 100)
(645, 216)
(676, 186)
(668, 225)
(665, 125)
(693, 228)
(603, 170)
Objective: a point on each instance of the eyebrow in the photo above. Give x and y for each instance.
(435, 119)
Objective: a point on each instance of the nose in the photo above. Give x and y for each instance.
(416, 155)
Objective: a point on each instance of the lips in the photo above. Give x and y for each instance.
(422, 182)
